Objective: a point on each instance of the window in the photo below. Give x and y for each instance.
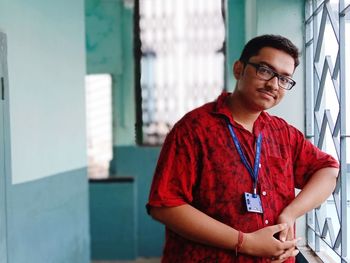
(181, 61)
(327, 45)
(99, 124)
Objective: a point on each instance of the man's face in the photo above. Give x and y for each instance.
(256, 93)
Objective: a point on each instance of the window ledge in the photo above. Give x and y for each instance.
(313, 257)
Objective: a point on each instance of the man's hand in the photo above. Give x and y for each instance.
(292, 252)
(288, 233)
(262, 243)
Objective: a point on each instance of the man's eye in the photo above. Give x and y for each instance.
(284, 80)
(264, 70)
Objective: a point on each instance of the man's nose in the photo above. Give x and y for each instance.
(273, 83)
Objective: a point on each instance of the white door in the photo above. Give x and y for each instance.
(3, 127)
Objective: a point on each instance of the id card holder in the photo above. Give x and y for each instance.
(253, 203)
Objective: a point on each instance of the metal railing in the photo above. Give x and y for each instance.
(326, 26)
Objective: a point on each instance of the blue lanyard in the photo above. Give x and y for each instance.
(254, 174)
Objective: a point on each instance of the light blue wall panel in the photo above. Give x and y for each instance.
(46, 62)
(48, 220)
(47, 207)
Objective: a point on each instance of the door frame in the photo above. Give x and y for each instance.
(4, 147)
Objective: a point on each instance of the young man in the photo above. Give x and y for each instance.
(225, 179)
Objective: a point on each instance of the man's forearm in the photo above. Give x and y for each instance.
(315, 192)
(196, 226)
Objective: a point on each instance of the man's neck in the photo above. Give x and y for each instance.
(241, 114)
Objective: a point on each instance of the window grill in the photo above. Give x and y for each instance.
(327, 45)
(181, 61)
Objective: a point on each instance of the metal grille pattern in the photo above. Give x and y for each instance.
(327, 96)
(182, 60)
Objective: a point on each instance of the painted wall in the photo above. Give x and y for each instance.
(46, 64)
(235, 33)
(140, 162)
(48, 220)
(113, 219)
(46, 185)
(109, 45)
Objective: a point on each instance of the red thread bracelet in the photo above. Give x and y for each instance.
(240, 242)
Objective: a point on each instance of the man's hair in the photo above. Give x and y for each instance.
(254, 45)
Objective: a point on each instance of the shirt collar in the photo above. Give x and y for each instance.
(222, 109)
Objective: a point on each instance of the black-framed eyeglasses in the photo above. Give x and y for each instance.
(266, 73)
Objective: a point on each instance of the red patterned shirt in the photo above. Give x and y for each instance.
(199, 165)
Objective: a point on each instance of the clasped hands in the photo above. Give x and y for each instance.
(276, 242)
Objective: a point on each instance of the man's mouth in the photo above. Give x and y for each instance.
(268, 93)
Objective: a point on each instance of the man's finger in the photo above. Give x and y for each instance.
(283, 235)
(289, 244)
(288, 253)
(295, 253)
(279, 228)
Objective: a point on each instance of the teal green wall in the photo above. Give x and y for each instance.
(103, 37)
(109, 45)
(120, 226)
(235, 33)
(109, 30)
(140, 162)
(113, 219)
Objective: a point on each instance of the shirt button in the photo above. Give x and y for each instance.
(266, 222)
(263, 193)
(259, 165)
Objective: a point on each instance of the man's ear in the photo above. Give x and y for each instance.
(238, 68)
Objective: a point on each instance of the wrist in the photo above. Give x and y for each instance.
(244, 248)
(240, 240)
(289, 213)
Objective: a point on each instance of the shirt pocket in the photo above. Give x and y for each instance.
(280, 176)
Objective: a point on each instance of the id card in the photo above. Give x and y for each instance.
(253, 203)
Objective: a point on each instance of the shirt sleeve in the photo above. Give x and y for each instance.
(175, 173)
(308, 158)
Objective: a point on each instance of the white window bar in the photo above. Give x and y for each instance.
(327, 35)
